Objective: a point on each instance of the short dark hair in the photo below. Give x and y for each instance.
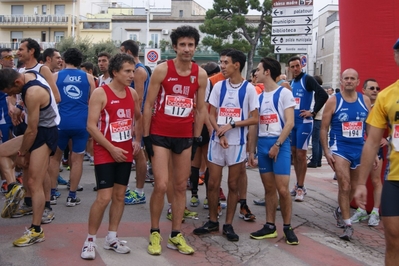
(225, 51)
(365, 82)
(104, 54)
(294, 58)
(116, 62)
(49, 52)
(5, 50)
(32, 44)
(185, 31)
(87, 65)
(337, 90)
(7, 78)
(237, 56)
(73, 56)
(131, 46)
(318, 79)
(273, 65)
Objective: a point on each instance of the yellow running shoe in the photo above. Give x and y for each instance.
(154, 247)
(190, 215)
(178, 242)
(30, 237)
(13, 197)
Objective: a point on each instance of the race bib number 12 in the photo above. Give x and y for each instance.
(228, 114)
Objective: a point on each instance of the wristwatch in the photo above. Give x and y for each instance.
(198, 139)
(278, 144)
(232, 124)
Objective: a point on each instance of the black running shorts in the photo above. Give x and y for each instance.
(176, 145)
(390, 198)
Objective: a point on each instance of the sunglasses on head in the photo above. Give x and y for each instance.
(374, 88)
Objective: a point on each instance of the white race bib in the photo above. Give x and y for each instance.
(178, 106)
(228, 114)
(395, 137)
(269, 123)
(352, 129)
(121, 130)
(297, 103)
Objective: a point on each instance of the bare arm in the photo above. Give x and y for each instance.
(201, 112)
(90, 78)
(140, 76)
(325, 124)
(138, 124)
(46, 73)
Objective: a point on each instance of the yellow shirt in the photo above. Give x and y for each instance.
(385, 113)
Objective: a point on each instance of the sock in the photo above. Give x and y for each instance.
(194, 177)
(301, 187)
(271, 225)
(91, 238)
(348, 222)
(36, 228)
(72, 194)
(377, 210)
(286, 226)
(111, 235)
(154, 230)
(174, 233)
(53, 190)
(28, 201)
(201, 173)
(243, 202)
(47, 205)
(139, 191)
(339, 209)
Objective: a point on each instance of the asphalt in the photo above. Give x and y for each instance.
(312, 220)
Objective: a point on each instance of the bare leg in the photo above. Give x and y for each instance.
(98, 208)
(235, 172)
(117, 207)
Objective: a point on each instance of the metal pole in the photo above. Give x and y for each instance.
(148, 24)
(73, 19)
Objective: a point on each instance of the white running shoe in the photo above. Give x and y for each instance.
(88, 250)
(359, 215)
(374, 219)
(299, 195)
(116, 245)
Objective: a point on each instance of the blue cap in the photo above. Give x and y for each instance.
(396, 45)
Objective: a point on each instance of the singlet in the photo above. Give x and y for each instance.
(48, 116)
(303, 99)
(173, 108)
(102, 81)
(115, 123)
(4, 117)
(146, 83)
(348, 123)
(271, 111)
(36, 68)
(74, 89)
(233, 104)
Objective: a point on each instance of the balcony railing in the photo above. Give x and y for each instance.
(27, 19)
(15, 45)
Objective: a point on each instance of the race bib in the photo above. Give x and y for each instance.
(352, 129)
(269, 123)
(395, 137)
(297, 103)
(121, 130)
(178, 106)
(228, 114)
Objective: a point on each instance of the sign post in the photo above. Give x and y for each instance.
(152, 56)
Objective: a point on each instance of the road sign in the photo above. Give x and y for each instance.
(289, 30)
(287, 21)
(304, 60)
(291, 40)
(291, 49)
(283, 3)
(292, 11)
(152, 56)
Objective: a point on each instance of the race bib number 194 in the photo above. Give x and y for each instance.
(178, 106)
(121, 130)
(352, 129)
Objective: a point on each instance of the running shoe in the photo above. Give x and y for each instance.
(299, 195)
(179, 243)
(116, 245)
(133, 198)
(348, 233)
(91, 161)
(189, 214)
(13, 197)
(293, 191)
(228, 231)
(260, 202)
(267, 231)
(194, 202)
(206, 206)
(22, 211)
(72, 202)
(222, 197)
(338, 216)
(89, 250)
(57, 194)
(374, 219)
(48, 216)
(65, 162)
(246, 214)
(79, 188)
(154, 247)
(149, 178)
(4, 187)
(220, 212)
(61, 181)
(53, 200)
(86, 157)
(19, 179)
(169, 216)
(208, 227)
(359, 215)
(290, 237)
(30, 237)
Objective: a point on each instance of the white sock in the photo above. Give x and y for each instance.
(139, 191)
(377, 210)
(339, 209)
(348, 222)
(111, 235)
(92, 237)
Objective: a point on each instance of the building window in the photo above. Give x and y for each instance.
(154, 40)
(96, 25)
(322, 43)
(44, 9)
(17, 10)
(59, 10)
(133, 36)
(180, 13)
(16, 37)
(321, 69)
(58, 36)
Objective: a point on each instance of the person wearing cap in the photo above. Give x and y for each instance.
(384, 113)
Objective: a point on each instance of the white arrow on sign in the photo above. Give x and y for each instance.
(290, 30)
(276, 40)
(291, 49)
(292, 11)
(285, 21)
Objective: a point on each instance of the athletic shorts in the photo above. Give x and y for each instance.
(5, 131)
(234, 154)
(46, 135)
(79, 139)
(205, 136)
(300, 135)
(108, 174)
(266, 165)
(19, 129)
(176, 145)
(351, 154)
(390, 198)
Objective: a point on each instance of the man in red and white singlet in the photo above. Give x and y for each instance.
(112, 109)
(176, 87)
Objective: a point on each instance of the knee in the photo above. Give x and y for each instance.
(345, 187)
(180, 187)
(160, 187)
(284, 192)
(103, 200)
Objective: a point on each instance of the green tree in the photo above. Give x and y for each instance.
(228, 26)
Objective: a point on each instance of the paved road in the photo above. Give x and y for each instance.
(312, 219)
